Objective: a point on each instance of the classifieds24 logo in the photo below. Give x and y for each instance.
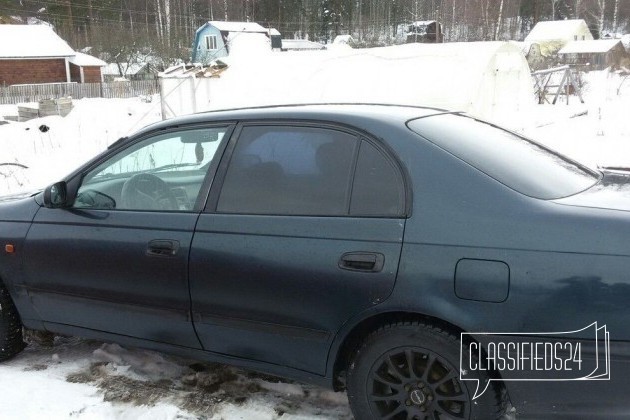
(580, 355)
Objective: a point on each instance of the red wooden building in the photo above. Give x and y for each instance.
(36, 54)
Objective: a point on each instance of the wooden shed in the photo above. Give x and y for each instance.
(426, 31)
(593, 55)
(276, 39)
(86, 69)
(36, 54)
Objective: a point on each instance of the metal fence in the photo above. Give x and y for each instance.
(33, 93)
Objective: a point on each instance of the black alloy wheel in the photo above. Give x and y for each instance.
(417, 384)
(410, 371)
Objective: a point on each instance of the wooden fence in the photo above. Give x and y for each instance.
(33, 93)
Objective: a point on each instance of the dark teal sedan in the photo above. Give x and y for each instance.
(432, 265)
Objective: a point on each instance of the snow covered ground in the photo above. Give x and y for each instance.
(46, 149)
(82, 379)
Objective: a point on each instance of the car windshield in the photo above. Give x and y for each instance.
(515, 161)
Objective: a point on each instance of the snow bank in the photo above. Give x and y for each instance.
(52, 147)
(596, 133)
(243, 44)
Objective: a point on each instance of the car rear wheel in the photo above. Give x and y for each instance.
(410, 371)
(10, 327)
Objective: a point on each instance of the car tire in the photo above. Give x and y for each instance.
(381, 385)
(10, 327)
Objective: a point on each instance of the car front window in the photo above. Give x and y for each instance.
(162, 172)
(515, 161)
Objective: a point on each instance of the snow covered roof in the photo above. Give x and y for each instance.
(301, 44)
(559, 30)
(423, 22)
(274, 32)
(84, 60)
(31, 41)
(112, 69)
(237, 26)
(343, 39)
(585, 47)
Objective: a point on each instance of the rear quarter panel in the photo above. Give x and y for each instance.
(568, 268)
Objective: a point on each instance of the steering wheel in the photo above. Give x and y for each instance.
(147, 192)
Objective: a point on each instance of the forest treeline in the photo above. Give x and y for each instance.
(118, 29)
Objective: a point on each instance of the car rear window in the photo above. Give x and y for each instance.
(515, 161)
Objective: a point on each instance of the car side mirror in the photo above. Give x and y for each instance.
(56, 195)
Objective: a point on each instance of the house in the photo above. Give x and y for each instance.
(301, 45)
(36, 54)
(551, 36)
(134, 71)
(562, 31)
(213, 39)
(425, 31)
(547, 38)
(597, 55)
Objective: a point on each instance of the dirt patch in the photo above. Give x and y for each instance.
(93, 373)
(127, 390)
(35, 368)
(203, 389)
(199, 391)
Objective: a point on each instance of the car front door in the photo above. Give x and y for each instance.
(294, 243)
(117, 260)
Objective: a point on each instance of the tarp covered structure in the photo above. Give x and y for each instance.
(485, 79)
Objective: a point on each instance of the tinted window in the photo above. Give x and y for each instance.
(378, 187)
(289, 170)
(517, 162)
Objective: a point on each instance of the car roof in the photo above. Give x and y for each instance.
(335, 112)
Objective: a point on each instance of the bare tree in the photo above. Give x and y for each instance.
(553, 9)
(167, 19)
(499, 22)
(602, 10)
(577, 5)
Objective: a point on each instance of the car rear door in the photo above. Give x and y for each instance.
(305, 232)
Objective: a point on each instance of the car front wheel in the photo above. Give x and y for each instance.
(10, 327)
(410, 371)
